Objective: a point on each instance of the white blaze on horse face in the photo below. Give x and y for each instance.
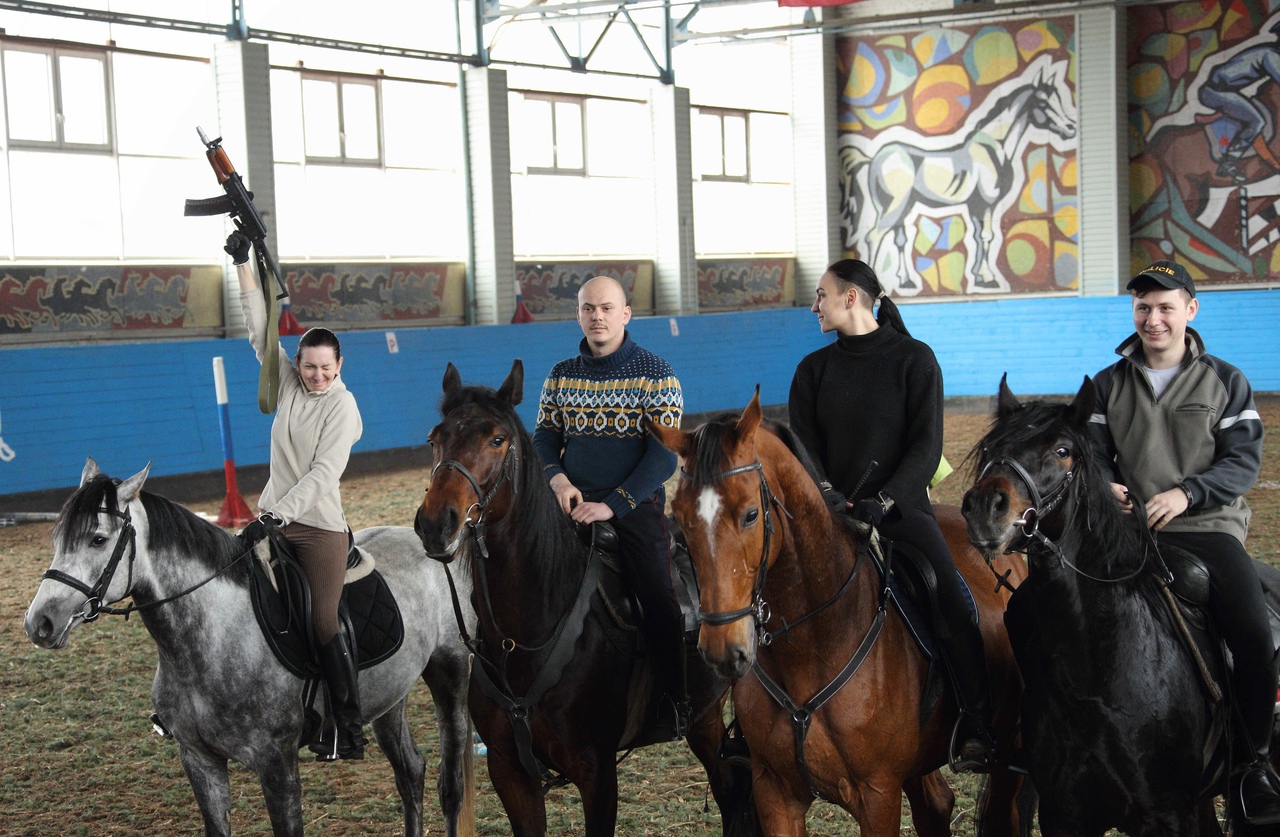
(708, 511)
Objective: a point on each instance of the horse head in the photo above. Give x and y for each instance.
(1048, 111)
(1026, 466)
(477, 447)
(723, 504)
(92, 535)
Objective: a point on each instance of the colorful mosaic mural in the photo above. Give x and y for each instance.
(734, 284)
(1204, 168)
(958, 170)
(352, 293)
(68, 302)
(551, 288)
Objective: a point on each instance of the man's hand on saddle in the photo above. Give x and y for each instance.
(1165, 506)
(585, 513)
(566, 492)
(1121, 493)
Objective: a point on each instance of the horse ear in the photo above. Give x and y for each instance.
(672, 438)
(452, 379)
(90, 471)
(128, 490)
(1082, 406)
(1006, 402)
(750, 417)
(512, 389)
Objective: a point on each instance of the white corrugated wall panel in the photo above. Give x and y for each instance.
(1104, 168)
(489, 134)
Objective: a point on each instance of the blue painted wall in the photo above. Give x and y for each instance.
(127, 403)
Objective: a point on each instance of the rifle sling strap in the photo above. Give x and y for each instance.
(269, 377)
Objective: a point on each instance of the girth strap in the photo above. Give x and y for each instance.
(520, 709)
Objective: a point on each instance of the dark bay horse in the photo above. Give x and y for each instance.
(772, 558)
(1117, 719)
(562, 688)
(218, 688)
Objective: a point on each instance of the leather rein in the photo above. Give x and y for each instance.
(125, 540)
(801, 714)
(490, 675)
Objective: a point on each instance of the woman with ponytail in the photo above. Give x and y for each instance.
(868, 408)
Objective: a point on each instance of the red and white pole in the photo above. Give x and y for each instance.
(234, 511)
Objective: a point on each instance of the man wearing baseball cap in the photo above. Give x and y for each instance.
(1181, 431)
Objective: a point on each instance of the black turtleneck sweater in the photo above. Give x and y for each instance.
(874, 396)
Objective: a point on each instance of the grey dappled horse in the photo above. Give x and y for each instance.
(218, 688)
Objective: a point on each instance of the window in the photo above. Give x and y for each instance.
(57, 98)
(552, 138)
(340, 120)
(720, 145)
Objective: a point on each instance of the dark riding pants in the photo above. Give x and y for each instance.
(643, 542)
(1235, 596)
(920, 529)
(323, 555)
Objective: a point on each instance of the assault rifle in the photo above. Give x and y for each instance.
(238, 203)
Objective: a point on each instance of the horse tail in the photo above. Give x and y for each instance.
(467, 812)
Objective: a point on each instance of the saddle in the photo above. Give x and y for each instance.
(282, 604)
(913, 586)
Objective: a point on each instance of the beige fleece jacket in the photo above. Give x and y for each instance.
(311, 438)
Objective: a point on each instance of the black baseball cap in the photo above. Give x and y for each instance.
(1166, 274)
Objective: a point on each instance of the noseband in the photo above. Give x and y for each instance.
(95, 606)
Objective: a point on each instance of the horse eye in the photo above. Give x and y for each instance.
(751, 516)
(98, 540)
(1062, 452)
(496, 441)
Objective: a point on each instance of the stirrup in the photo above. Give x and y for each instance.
(1270, 815)
(983, 763)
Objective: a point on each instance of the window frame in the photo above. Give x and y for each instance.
(720, 114)
(340, 80)
(59, 143)
(553, 99)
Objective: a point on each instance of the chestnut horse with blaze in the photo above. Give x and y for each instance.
(766, 545)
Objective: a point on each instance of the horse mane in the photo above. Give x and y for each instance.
(170, 527)
(708, 459)
(546, 532)
(1105, 533)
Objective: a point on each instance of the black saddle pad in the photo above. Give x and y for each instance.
(372, 616)
(914, 589)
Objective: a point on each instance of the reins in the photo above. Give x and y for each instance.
(801, 714)
(125, 540)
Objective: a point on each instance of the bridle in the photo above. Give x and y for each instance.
(94, 606)
(1041, 506)
(757, 607)
(126, 539)
(477, 526)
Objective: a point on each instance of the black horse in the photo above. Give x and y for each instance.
(1119, 721)
(556, 683)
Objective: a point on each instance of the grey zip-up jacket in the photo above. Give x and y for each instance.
(311, 438)
(1203, 433)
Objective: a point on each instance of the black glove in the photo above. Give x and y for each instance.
(834, 499)
(238, 247)
(869, 511)
(258, 529)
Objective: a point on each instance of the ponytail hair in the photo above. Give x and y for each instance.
(320, 336)
(855, 273)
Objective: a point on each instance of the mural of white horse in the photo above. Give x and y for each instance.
(975, 171)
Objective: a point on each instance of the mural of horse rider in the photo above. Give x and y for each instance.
(1224, 91)
(1180, 430)
(868, 408)
(315, 426)
(603, 465)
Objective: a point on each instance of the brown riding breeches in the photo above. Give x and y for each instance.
(323, 555)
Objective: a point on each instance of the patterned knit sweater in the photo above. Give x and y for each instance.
(589, 424)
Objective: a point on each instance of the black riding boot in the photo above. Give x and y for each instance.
(1259, 791)
(973, 743)
(339, 667)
